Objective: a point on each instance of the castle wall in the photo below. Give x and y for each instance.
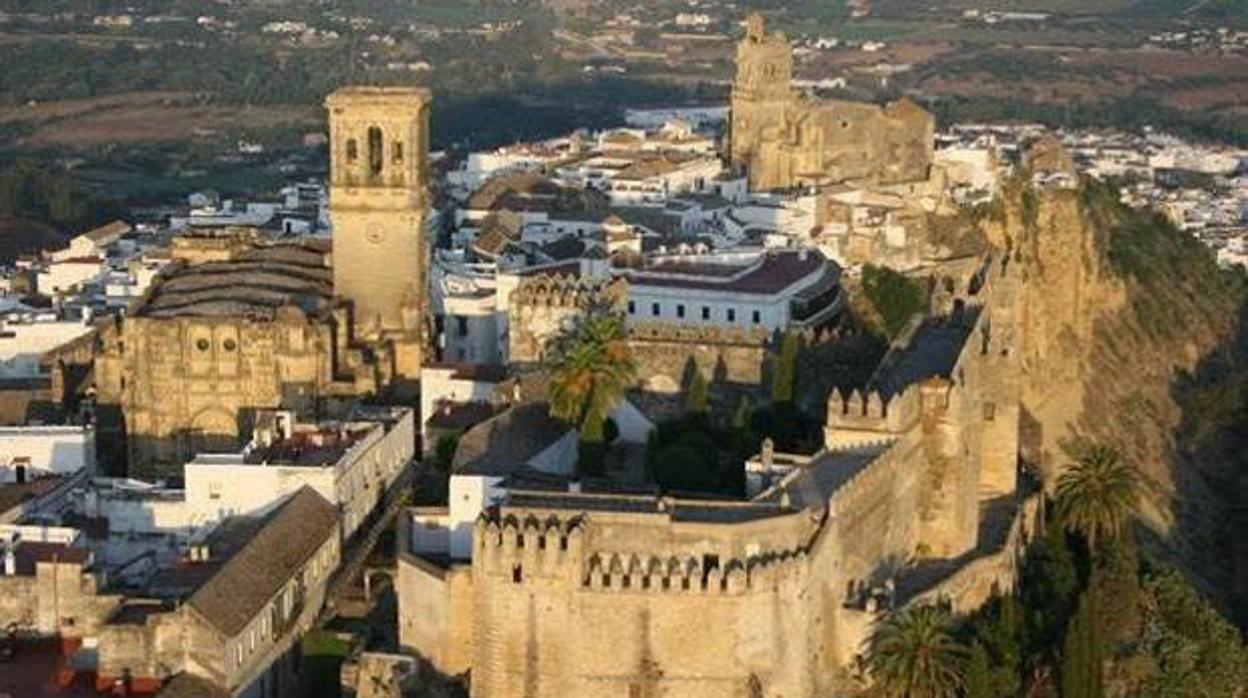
(558, 613)
(663, 353)
(437, 617)
(58, 598)
(973, 584)
(154, 647)
(960, 431)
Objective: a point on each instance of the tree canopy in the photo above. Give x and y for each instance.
(1096, 494)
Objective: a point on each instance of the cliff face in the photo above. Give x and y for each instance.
(1128, 335)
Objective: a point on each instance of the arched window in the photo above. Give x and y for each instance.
(353, 151)
(374, 150)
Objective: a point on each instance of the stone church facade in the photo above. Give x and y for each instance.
(239, 324)
(785, 140)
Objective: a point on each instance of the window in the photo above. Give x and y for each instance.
(461, 326)
(680, 310)
(756, 317)
(732, 315)
(706, 312)
(202, 344)
(654, 309)
(374, 150)
(229, 345)
(396, 152)
(516, 574)
(353, 151)
(632, 308)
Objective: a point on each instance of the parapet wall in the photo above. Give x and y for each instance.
(861, 416)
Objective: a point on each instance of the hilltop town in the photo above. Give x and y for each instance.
(689, 407)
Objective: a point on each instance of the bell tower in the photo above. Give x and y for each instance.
(378, 198)
(761, 92)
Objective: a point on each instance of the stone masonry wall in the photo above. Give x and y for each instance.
(555, 615)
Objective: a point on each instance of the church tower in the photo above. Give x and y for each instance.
(761, 92)
(379, 143)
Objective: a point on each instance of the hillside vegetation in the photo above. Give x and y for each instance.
(1133, 337)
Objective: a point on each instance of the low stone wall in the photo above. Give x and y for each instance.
(663, 353)
(58, 598)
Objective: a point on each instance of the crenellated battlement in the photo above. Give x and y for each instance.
(873, 411)
(568, 291)
(689, 574)
(510, 533)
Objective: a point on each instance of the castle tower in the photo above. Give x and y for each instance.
(761, 92)
(379, 143)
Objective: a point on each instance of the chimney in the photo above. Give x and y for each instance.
(10, 559)
(768, 455)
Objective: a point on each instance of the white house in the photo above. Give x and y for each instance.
(32, 452)
(93, 243)
(455, 384)
(26, 337)
(772, 290)
(351, 464)
(65, 275)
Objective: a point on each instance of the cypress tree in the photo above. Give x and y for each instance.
(697, 399)
(1081, 654)
(784, 379)
(978, 673)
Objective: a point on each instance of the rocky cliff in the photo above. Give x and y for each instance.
(1129, 334)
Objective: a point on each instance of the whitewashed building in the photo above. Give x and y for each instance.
(772, 290)
(351, 464)
(32, 452)
(64, 275)
(26, 336)
(93, 243)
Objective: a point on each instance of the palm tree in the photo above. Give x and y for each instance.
(591, 371)
(1096, 494)
(912, 654)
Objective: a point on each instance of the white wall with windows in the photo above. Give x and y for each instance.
(693, 307)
